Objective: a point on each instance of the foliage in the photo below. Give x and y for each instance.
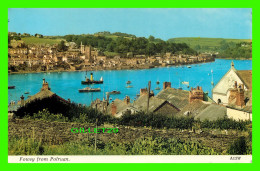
(143, 146)
(46, 115)
(224, 123)
(209, 44)
(240, 147)
(61, 46)
(137, 45)
(241, 50)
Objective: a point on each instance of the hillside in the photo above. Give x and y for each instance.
(208, 44)
(40, 41)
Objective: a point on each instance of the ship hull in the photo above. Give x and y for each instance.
(91, 82)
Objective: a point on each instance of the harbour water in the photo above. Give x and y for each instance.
(67, 84)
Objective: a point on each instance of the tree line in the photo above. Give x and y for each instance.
(136, 45)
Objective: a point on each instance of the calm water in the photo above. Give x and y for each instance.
(66, 84)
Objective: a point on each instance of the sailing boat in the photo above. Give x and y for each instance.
(212, 82)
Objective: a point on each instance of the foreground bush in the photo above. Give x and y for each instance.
(143, 146)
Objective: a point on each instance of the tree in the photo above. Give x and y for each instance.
(61, 46)
(151, 38)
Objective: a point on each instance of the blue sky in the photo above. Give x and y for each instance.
(162, 23)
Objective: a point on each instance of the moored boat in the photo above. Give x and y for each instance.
(157, 88)
(115, 92)
(88, 89)
(128, 82)
(129, 86)
(92, 81)
(11, 87)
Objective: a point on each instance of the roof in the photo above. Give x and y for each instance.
(40, 95)
(246, 77)
(195, 107)
(212, 112)
(178, 98)
(225, 82)
(154, 103)
(120, 105)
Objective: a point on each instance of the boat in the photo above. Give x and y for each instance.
(188, 66)
(27, 92)
(157, 82)
(115, 92)
(157, 88)
(92, 81)
(128, 82)
(129, 86)
(11, 87)
(88, 89)
(185, 82)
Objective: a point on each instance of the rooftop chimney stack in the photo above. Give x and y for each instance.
(240, 96)
(196, 94)
(45, 85)
(127, 100)
(166, 85)
(113, 108)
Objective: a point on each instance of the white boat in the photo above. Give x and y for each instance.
(185, 82)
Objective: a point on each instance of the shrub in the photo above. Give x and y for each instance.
(239, 146)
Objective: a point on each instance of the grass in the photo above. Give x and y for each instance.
(209, 42)
(142, 146)
(40, 41)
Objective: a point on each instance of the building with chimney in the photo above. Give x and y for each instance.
(239, 103)
(45, 92)
(221, 91)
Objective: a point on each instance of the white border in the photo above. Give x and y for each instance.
(133, 159)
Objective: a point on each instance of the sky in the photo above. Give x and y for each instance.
(162, 23)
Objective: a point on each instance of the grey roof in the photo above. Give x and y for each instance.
(178, 98)
(194, 108)
(154, 103)
(120, 105)
(212, 112)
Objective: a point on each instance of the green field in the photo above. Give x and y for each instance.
(40, 41)
(206, 44)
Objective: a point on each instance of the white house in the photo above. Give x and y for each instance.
(220, 92)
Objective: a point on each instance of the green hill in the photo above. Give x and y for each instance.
(208, 44)
(41, 41)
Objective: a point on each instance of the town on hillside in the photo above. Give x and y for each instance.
(69, 56)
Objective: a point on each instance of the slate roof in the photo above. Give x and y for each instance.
(212, 112)
(195, 107)
(246, 77)
(178, 98)
(120, 105)
(154, 103)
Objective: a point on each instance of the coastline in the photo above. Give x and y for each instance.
(140, 67)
